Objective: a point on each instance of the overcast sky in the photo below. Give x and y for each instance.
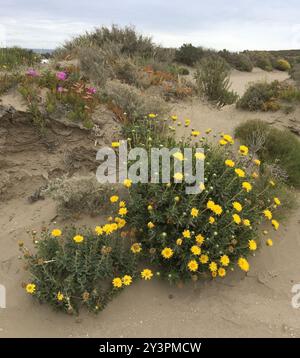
(231, 24)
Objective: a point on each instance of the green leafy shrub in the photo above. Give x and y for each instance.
(76, 268)
(239, 61)
(212, 80)
(12, 57)
(125, 70)
(261, 59)
(277, 146)
(282, 65)
(189, 54)
(7, 81)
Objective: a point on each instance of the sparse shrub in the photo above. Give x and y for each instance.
(7, 81)
(282, 65)
(212, 80)
(261, 59)
(183, 71)
(125, 70)
(12, 57)
(75, 268)
(189, 54)
(295, 73)
(279, 147)
(238, 61)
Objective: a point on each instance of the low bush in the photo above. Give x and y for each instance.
(189, 54)
(12, 57)
(279, 147)
(295, 73)
(239, 61)
(282, 65)
(212, 80)
(261, 59)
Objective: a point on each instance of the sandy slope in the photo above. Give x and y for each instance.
(256, 305)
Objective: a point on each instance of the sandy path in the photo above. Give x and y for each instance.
(255, 305)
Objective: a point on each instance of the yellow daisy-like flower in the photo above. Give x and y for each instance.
(236, 218)
(127, 183)
(201, 186)
(123, 211)
(122, 204)
(193, 265)
(247, 186)
(195, 133)
(196, 250)
(228, 138)
(222, 142)
(222, 272)
(246, 222)
(243, 150)
(200, 156)
(243, 264)
(152, 115)
(30, 288)
(187, 122)
(257, 162)
(254, 175)
(213, 266)
(78, 239)
(275, 224)
(211, 220)
(224, 260)
(277, 201)
(147, 274)
(60, 296)
(178, 176)
(109, 228)
(237, 206)
(194, 212)
(178, 156)
(117, 282)
(150, 207)
(126, 280)
(98, 230)
(150, 225)
(229, 163)
(56, 232)
(210, 204)
(174, 118)
(121, 222)
(271, 182)
(186, 234)
(268, 214)
(217, 209)
(239, 172)
(179, 242)
(115, 144)
(136, 248)
(114, 198)
(269, 242)
(204, 259)
(167, 253)
(199, 239)
(252, 245)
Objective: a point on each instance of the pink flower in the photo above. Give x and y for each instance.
(60, 89)
(91, 90)
(62, 76)
(32, 73)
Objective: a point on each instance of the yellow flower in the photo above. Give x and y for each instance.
(115, 144)
(150, 207)
(271, 182)
(78, 239)
(186, 234)
(269, 242)
(123, 211)
(127, 183)
(136, 248)
(201, 186)
(200, 156)
(60, 296)
(213, 266)
(247, 186)
(210, 205)
(246, 222)
(146, 274)
(257, 162)
(193, 265)
(224, 260)
(254, 175)
(187, 122)
(243, 150)
(30, 288)
(178, 156)
(179, 242)
(178, 176)
(268, 214)
(126, 280)
(211, 220)
(56, 232)
(199, 239)
(214, 274)
(204, 259)
(121, 222)
(195, 250)
(275, 224)
(222, 142)
(177, 199)
(117, 282)
(243, 264)
(277, 201)
(152, 115)
(109, 228)
(208, 130)
(229, 163)
(114, 199)
(240, 172)
(122, 204)
(236, 218)
(174, 118)
(252, 245)
(228, 138)
(98, 230)
(217, 209)
(237, 206)
(194, 212)
(222, 272)
(195, 133)
(150, 225)
(167, 253)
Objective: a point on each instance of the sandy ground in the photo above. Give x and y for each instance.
(256, 305)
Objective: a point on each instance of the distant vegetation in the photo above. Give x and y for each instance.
(12, 57)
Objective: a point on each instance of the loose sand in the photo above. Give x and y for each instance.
(256, 305)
